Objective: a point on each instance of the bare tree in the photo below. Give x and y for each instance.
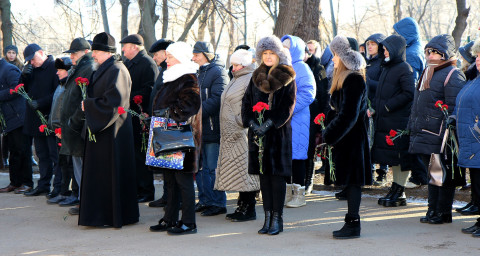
(271, 8)
(307, 28)
(147, 21)
(397, 10)
(103, 7)
(164, 18)
(460, 21)
(7, 25)
(124, 23)
(189, 24)
(299, 18)
(289, 15)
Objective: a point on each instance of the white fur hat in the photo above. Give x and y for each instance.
(181, 51)
(353, 60)
(242, 57)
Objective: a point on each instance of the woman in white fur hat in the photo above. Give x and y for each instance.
(347, 130)
(232, 170)
(181, 95)
(273, 82)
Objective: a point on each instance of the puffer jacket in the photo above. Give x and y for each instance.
(408, 29)
(305, 95)
(467, 112)
(427, 122)
(373, 68)
(212, 79)
(12, 106)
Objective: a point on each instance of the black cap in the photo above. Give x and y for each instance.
(242, 46)
(78, 44)
(104, 42)
(30, 51)
(63, 63)
(132, 39)
(201, 46)
(161, 44)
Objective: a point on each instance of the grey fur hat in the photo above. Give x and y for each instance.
(274, 44)
(351, 59)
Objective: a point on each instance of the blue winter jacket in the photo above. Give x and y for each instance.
(12, 107)
(408, 29)
(306, 91)
(467, 112)
(327, 62)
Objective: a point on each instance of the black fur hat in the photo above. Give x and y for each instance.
(161, 44)
(63, 63)
(104, 42)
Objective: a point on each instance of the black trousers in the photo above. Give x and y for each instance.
(299, 169)
(273, 189)
(46, 149)
(20, 149)
(66, 165)
(145, 185)
(354, 197)
(180, 185)
(475, 181)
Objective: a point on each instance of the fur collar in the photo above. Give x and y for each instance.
(281, 76)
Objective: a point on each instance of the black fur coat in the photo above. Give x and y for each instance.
(347, 132)
(280, 84)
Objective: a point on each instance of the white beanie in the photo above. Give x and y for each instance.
(181, 51)
(242, 57)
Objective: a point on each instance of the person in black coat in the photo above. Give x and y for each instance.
(273, 82)
(319, 105)
(346, 130)
(108, 189)
(12, 111)
(373, 75)
(41, 80)
(393, 101)
(439, 81)
(143, 72)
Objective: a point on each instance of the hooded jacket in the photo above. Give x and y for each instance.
(326, 61)
(212, 79)
(373, 67)
(12, 106)
(393, 99)
(304, 97)
(409, 30)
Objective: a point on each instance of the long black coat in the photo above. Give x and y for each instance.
(182, 96)
(393, 101)
(108, 192)
(72, 117)
(40, 86)
(347, 132)
(158, 83)
(12, 106)
(280, 83)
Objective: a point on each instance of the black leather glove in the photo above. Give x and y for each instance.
(253, 125)
(260, 131)
(451, 122)
(27, 71)
(33, 104)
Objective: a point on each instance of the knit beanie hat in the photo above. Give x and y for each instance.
(181, 51)
(10, 47)
(242, 57)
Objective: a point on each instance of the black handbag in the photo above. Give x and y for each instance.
(171, 136)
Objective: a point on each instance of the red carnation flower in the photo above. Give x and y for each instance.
(260, 106)
(85, 81)
(60, 144)
(138, 99)
(121, 111)
(393, 133)
(42, 128)
(445, 107)
(58, 131)
(18, 87)
(12, 91)
(78, 80)
(319, 118)
(438, 104)
(389, 140)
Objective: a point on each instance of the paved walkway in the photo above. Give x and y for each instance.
(31, 227)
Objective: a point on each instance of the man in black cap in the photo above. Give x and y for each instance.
(143, 72)
(212, 79)
(159, 56)
(108, 193)
(73, 144)
(41, 80)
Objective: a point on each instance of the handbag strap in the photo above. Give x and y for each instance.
(444, 141)
(448, 76)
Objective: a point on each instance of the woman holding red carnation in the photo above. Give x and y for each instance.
(441, 81)
(346, 131)
(272, 83)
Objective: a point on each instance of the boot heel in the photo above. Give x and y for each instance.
(267, 223)
(277, 224)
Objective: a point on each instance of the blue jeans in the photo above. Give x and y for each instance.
(206, 178)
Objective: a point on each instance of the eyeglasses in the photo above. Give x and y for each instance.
(431, 50)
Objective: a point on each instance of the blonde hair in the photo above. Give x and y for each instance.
(274, 65)
(340, 73)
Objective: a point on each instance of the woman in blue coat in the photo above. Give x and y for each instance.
(467, 113)
(300, 120)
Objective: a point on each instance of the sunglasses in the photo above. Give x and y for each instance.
(430, 51)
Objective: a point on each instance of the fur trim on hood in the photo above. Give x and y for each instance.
(274, 44)
(282, 75)
(353, 60)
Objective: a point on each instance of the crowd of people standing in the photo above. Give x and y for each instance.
(257, 127)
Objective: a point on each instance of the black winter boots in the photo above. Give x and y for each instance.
(351, 229)
(395, 197)
(273, 224)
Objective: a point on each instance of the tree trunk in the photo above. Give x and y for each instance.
(211, 29)
(231, 33)
(124, 24)
(289, 16)
(147, 22)
(202, 24)
(6, 23)
(189, 24)
(397, 11)
(103, 7)
(460, 21)
(164, 18)
(307, 28)
(193, 5)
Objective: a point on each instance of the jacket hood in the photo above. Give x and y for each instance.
(465, 52)
(326, 56)
(217, 61)
(274, 44)
(297, 48)
(244, 71)
(408, 28)
(443, 43)
(396, 47)
(377, 38)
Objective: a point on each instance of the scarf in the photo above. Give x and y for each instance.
(179, 70)
(432, 66)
